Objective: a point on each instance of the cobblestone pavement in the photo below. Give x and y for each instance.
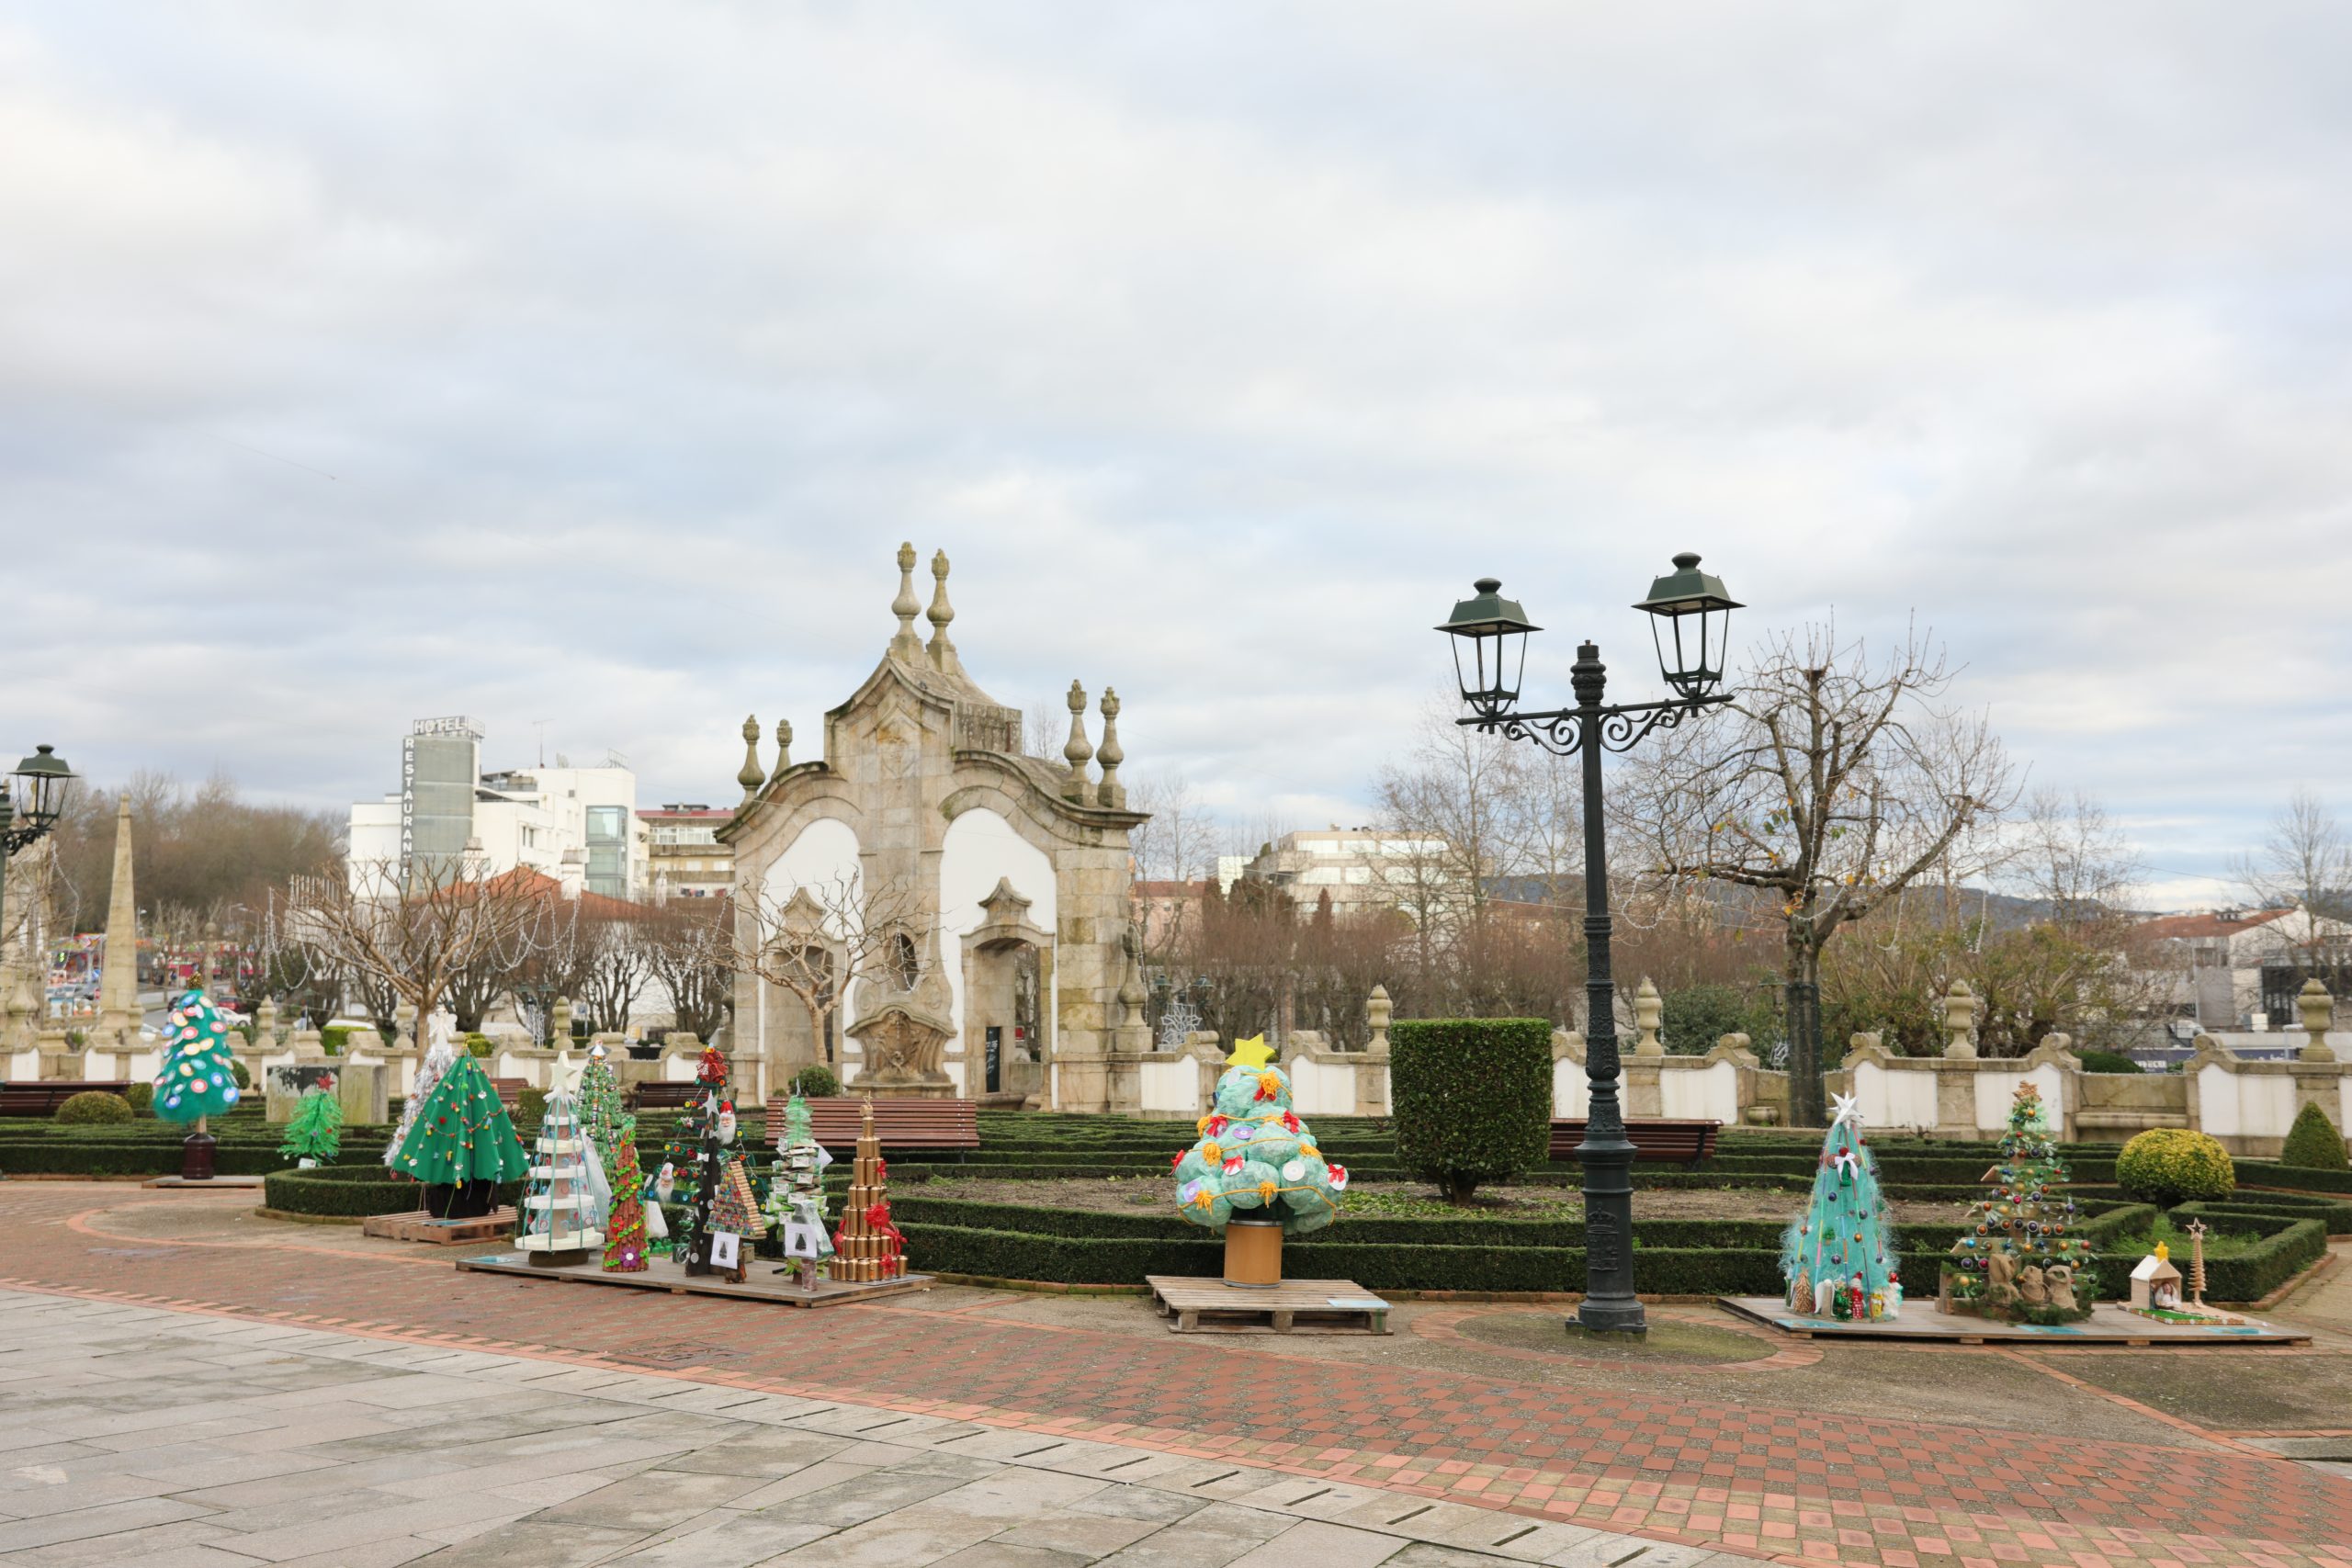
(1763, 1480)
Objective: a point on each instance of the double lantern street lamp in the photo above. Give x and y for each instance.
(32, 798)
(1691, 618)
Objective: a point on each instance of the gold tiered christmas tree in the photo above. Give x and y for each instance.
(867, 1247)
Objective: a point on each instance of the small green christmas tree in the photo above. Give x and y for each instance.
(2025, 1227)
(625, 1248)
(463, 1139)
(198, 1076)
(314, 1132)
(1255, 1156)
(1841, 1253)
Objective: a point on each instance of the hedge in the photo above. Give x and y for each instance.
(2170, 1165)
(1472, 1097)
(2289, 1247)
(94, 1107)
(350, 1189)
(2314, 1142)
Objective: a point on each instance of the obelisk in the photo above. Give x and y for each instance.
(119, 1012)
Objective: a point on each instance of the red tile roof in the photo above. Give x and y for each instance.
(2193, 927)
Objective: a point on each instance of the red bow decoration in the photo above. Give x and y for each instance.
(1290, 1121)
(1176, 1160)
(1217, 1125)
(1233, 1166)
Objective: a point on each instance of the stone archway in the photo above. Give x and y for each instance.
(1008, 972)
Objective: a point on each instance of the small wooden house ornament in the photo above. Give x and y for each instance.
(2155, 1283)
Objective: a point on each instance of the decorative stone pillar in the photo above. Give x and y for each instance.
(1872, 1040)
(942, 651)
(783, 746)
(1960, 1020)
(559, 1023)
(1649, 1012)
(1077, 752)
(1112, 794)
(404, 1026)
(749, 777)
(2319, 1011)
(904, 645)
(1378, 1011)
(266, 1024)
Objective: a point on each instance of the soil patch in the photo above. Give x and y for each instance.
(1668, 1339)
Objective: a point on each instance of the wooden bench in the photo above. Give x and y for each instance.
(901, 1125)
(664, 1096)
(1682, 1143)
(510, 1091)
(43, 1098)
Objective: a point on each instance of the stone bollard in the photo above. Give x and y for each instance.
(1649, 1012)
(1959, 1019)
(2319, 1011)
(1379, 1012)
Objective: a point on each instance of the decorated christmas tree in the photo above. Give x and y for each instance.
(314, 1132)
(1255, 1157)
(2022, 1250)
(600, 1106)
(720, 1203)
(441, 1049)
(795, 1205)
(625, 1241)
(680, 1178)
(564, 1213)
(869, 1247)
(462, 1144)
(198, 1076)
(1838, 1259)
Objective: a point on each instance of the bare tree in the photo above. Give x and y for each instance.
(819, 942)
(1833, 781)
(413, 936)
(614, 969)
(550, 967)
(2306, 861)
(687, 950)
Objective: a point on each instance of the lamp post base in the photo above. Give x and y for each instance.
(196, 1157)
(1620, 1317)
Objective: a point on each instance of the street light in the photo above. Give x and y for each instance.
(32, 797)
(1692, 619)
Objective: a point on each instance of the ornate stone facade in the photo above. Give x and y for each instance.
(1003, 878)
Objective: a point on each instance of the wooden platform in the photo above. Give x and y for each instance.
(763, 1283)
(217, 1184)
(1922, 1324)
(419, 1225)
(1294, 1306)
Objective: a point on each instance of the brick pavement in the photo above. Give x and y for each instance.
(1787, 1483)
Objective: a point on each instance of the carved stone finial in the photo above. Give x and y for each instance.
(1960, 1020)
(1077, 752)
(751, 778)
(1649, 1012)
(783, 746)
(942, 651)
(1378, 1011)
(2319, 1011)
(1112, 794)
(904, 644)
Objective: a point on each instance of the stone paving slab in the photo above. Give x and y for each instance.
(404, 1458)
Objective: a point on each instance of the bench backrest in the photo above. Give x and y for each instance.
(510, 1090)
(899, 1123)
(1686, 1143)
(39, 1098)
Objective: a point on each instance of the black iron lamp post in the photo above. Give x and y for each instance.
(1691, 614)
(32, 798)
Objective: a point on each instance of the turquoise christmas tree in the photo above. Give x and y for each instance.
(1838, 1259)
(198, 1076)
(1255, 1157)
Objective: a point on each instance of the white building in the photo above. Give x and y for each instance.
(522, 816)
(1361, 868)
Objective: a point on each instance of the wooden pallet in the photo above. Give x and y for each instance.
(1294, 1306)
(210, 1184)
(1922, 1324)
(418, 1226)
(761, 1283)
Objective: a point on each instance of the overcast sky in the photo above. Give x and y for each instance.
(586, 364)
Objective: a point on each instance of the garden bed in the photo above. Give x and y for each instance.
(350, 1191)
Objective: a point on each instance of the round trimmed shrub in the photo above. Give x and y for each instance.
(2313, 1141)
(815, 1081)
(93, 1106)
(2106, 1062)
(1473, 1099)
(2171, 1165)
(142, 1098)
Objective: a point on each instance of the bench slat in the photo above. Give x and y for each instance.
(42, 1099)
(1683, 1143)
(899, 1123)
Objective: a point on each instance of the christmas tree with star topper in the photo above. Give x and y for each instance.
(2021, 1248)
(1256, 1161)
(1838, 1259)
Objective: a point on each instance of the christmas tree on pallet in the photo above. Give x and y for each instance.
(439, 1055)
(1838, 1259)
(564, 1213)
(2018, 1256)
(624, 1248)
(600, 1106)
(314, 1132)
(462, 1145)
(796, 1194)
(868, 1247)
(680, 1178)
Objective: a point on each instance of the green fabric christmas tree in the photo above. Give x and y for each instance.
(625, 1248)
(679, 1177)
(462, 1134)
(1255, 1157)
(198, 1076)
(1839, 1259)
(2026, 1227)
(314, 1132)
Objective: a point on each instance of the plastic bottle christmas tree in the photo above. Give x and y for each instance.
(441, 1049)
(681, 1168)
(1840, 1257)
(600, 1106)
(797, 1194)
(625, 1243)
(869, 1247)
(463, 1141)
(564, 1213)
(2020, 1253)
(197, 1077)
(314, 1132)
(1255, 1157)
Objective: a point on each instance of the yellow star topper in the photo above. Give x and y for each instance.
(1251, 1052)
